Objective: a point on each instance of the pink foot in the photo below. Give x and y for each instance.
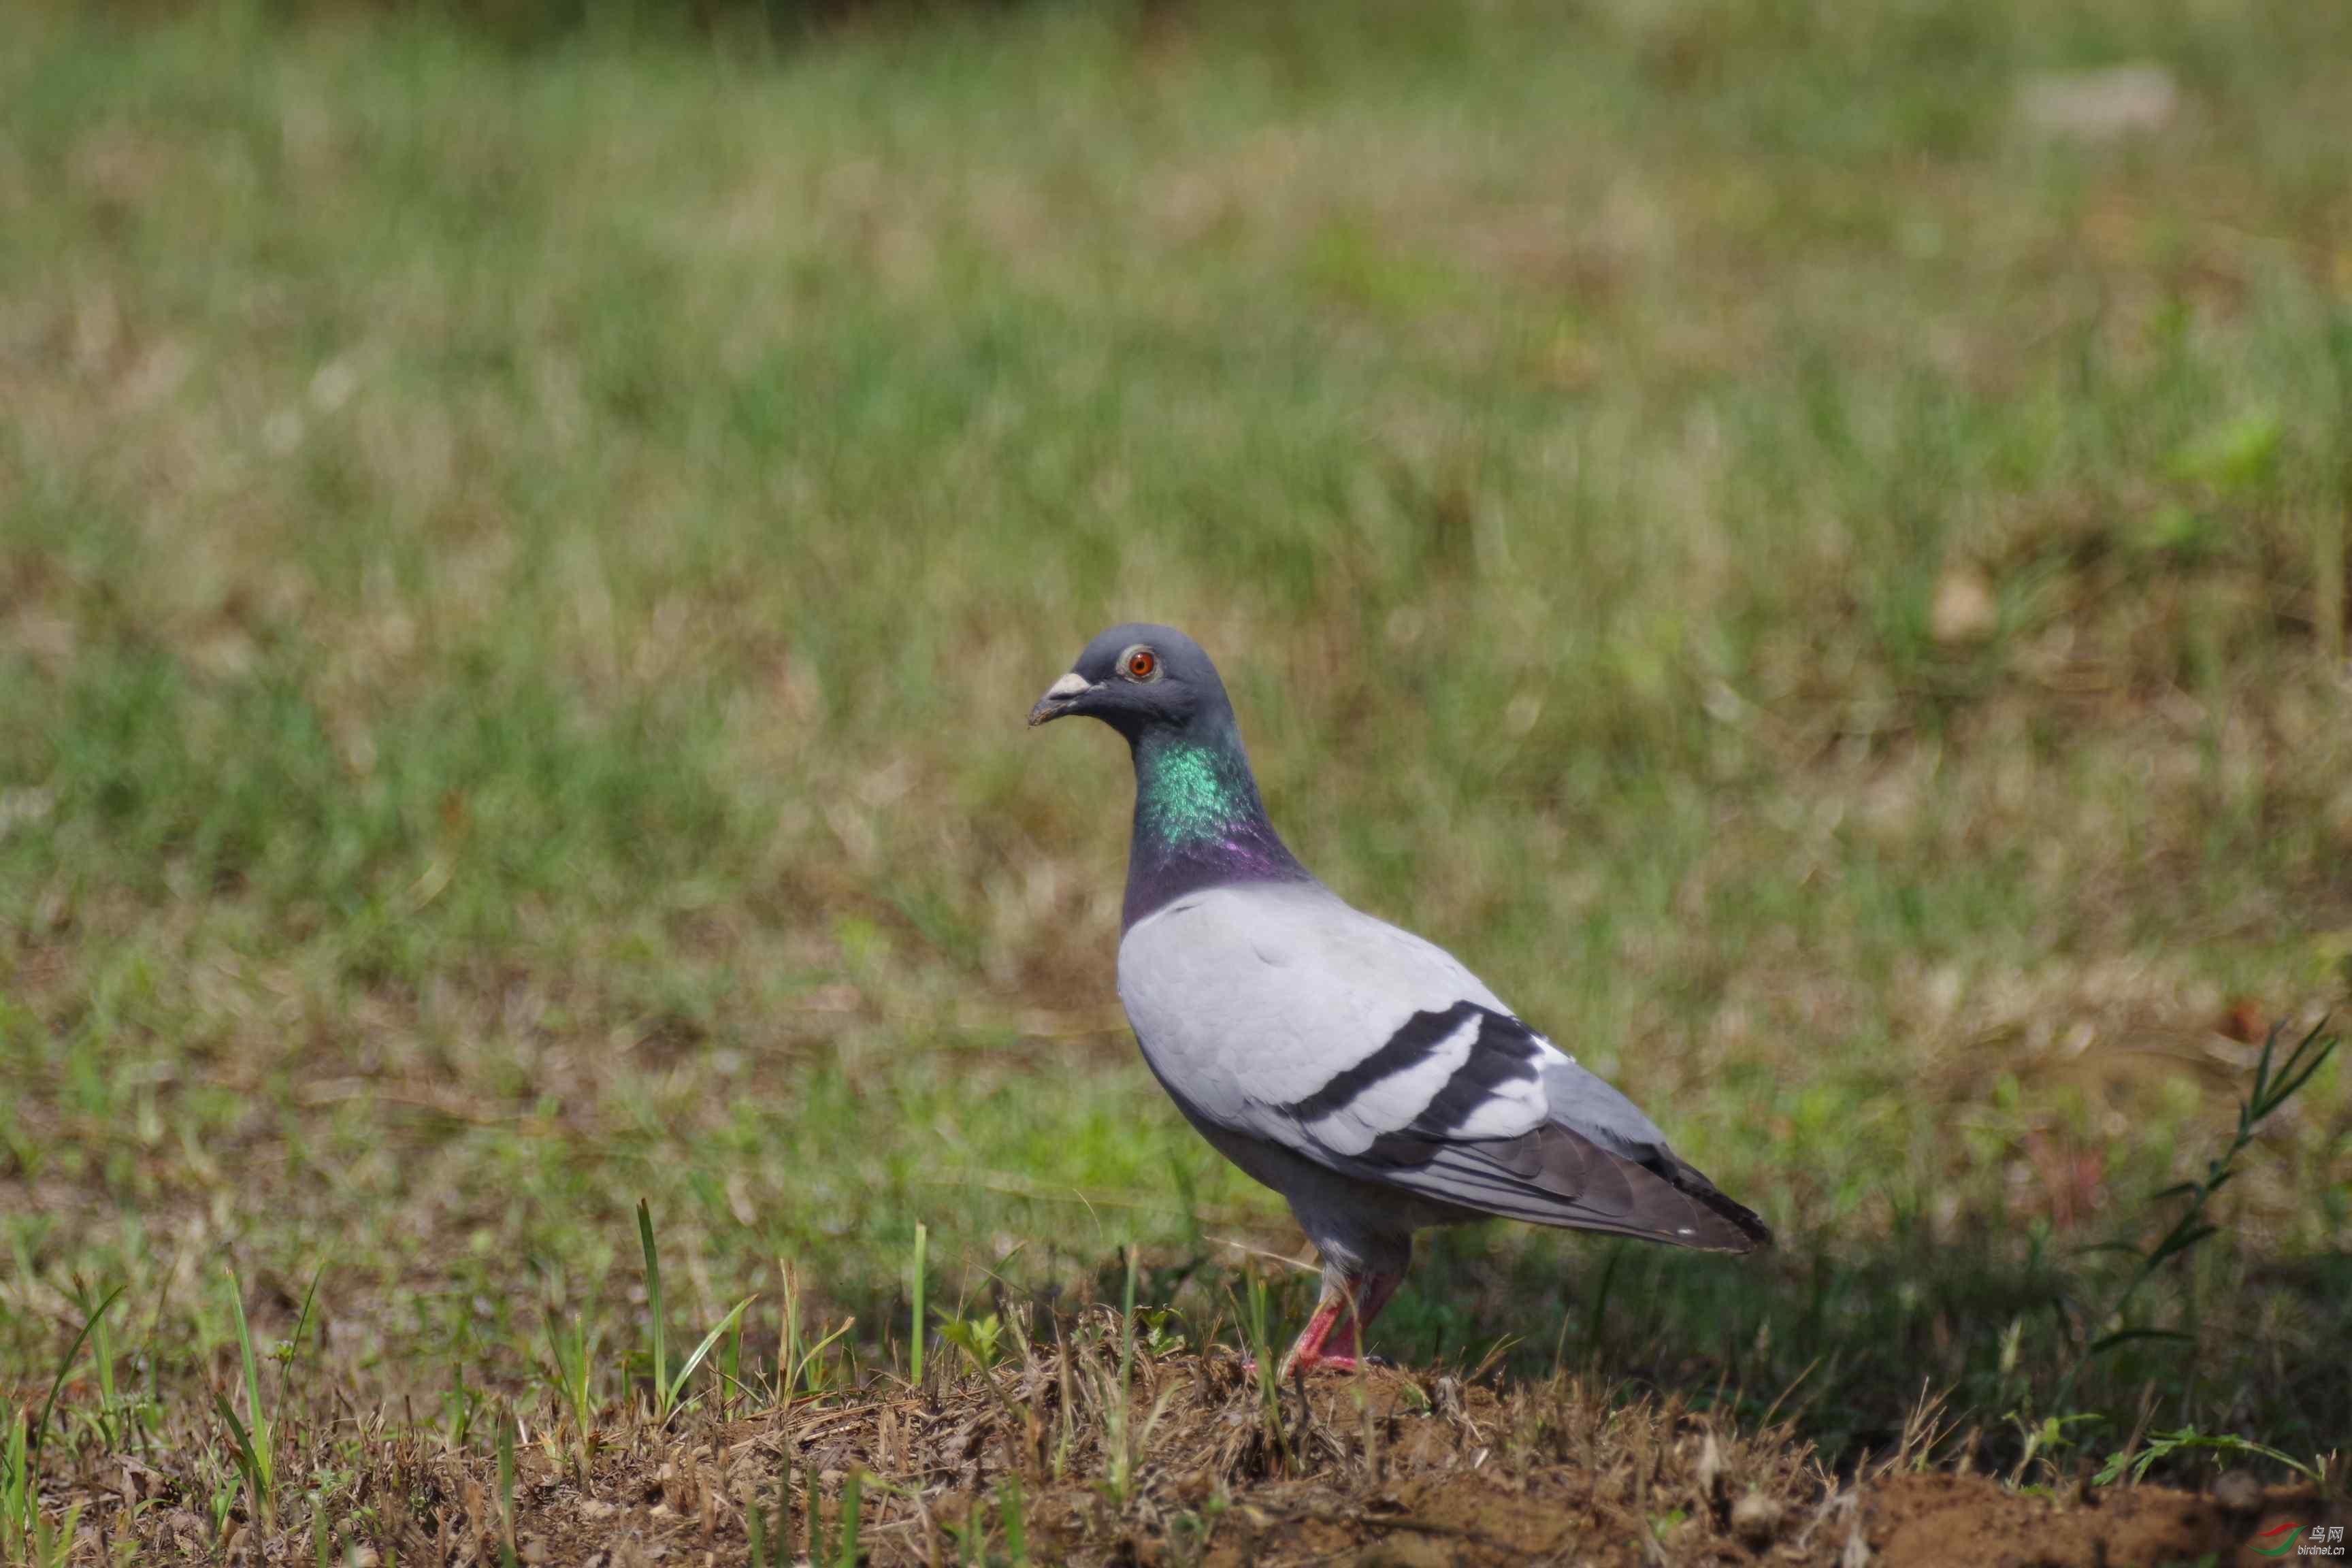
(1333, 1338)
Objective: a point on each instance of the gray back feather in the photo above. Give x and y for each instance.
(1279, 1014)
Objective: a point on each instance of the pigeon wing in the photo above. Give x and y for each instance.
(1282, 1015)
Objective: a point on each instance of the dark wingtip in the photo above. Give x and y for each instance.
(1743, 1229)
(1750, 1234)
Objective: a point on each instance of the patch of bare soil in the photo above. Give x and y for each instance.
(1383, 1468)
(1968, 1521)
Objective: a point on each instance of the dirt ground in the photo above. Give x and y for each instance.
(1385, 1469)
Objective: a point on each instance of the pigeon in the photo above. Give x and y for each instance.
(1355, 1069)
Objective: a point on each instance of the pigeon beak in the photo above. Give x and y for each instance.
(1060, 699)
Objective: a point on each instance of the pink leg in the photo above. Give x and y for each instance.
(1334, 1336)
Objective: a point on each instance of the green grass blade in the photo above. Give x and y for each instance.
(244, 1349)
(788, 1336)
(107, 1401)
(257, 1437)
(507, 1490)
(709, 1342)
(302, 1319)
(1016, 1529)
(915, 1350)
(309, 1300)
(811, 1359)
(48, 1407)
(730, 1365)
(654, 1304)
(852, 1486)
(2294, 1072)
(18, 1499)
(57, 1552)
(2182, 1240)
(242, 1449)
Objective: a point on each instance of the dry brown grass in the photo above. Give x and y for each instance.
(1384, 1467)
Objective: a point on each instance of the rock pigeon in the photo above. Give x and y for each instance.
(1360, 1071)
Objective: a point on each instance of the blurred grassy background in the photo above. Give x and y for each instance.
(1806, 549)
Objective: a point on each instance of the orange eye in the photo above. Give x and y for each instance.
(1142, 664)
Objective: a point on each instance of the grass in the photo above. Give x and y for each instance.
(520, 575)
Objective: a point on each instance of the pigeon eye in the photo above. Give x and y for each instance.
(1141, 664)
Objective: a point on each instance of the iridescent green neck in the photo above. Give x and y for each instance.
(1198, 819)
(1188, 795)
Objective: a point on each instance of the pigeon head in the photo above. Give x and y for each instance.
(1198, 819)
(1136, 678)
